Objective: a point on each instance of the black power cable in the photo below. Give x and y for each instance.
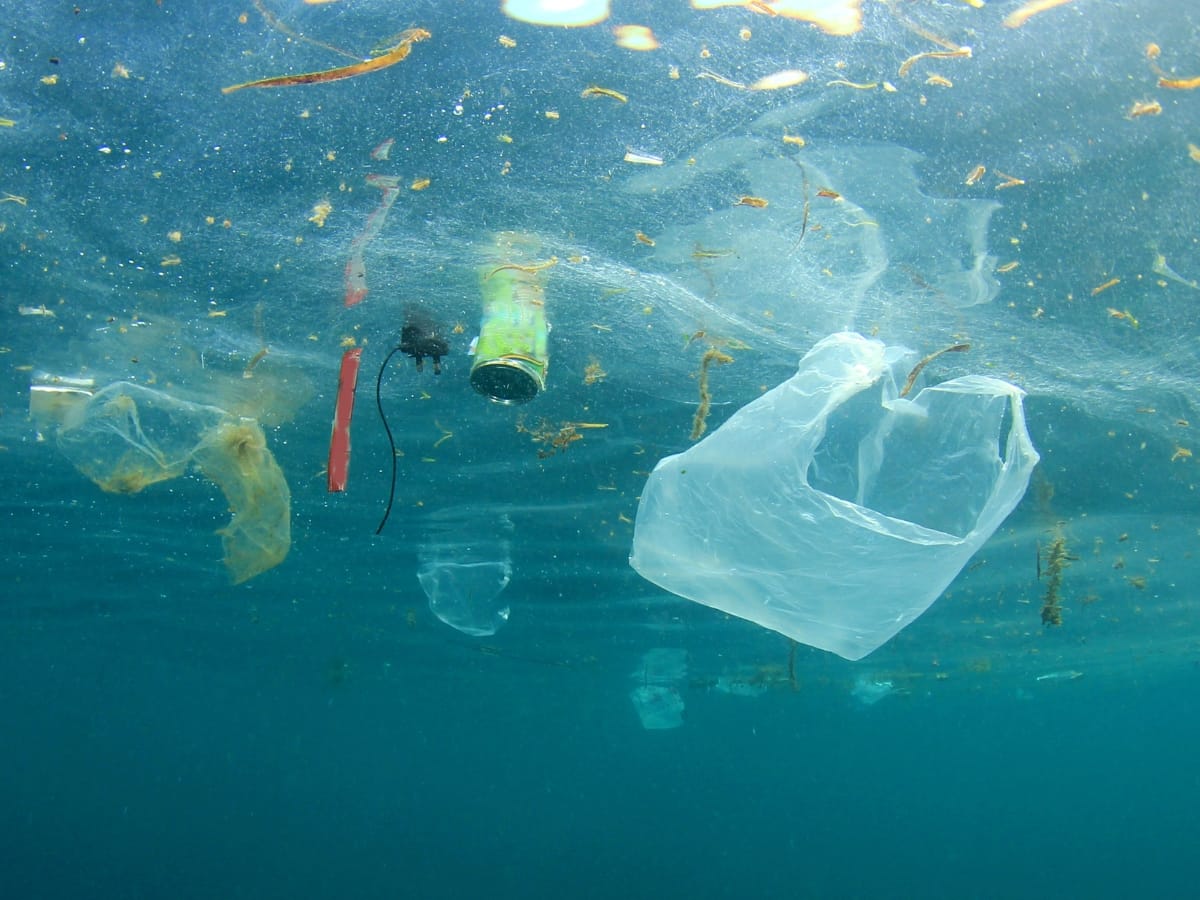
(418, 339)
(391, 441)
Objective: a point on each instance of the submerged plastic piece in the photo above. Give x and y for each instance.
(126, 437)
(660, 707)
(830, 509)
(657, 697)
(869, 690)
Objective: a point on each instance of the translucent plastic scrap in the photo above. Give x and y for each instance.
(657, 697)
(55, 398)
(659, 707)
(830, 509)
(234, 454)
(464, 565)
(466, 596)
(663, 665)
(126, 437)
(869, 689)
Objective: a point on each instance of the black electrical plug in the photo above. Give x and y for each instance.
(419, 338)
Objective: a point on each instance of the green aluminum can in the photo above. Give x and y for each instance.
(510, 352)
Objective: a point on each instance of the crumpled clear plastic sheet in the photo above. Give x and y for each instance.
(831, 509)
(126, 437)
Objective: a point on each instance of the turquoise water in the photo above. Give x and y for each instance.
(318, 729)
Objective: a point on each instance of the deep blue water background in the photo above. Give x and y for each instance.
(317, 732)
(133, 772)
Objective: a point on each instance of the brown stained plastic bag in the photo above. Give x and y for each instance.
(257, 538)
(126, 437)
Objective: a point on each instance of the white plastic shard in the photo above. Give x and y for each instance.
(832, 510)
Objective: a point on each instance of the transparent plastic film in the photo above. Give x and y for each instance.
(831, 509)
(464, 565)
(127, 437)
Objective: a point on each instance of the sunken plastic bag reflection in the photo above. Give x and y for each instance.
(833, 509)
(126, 437)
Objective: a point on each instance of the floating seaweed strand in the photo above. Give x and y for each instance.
(1057, 559)
(700, 420)
(393, 55)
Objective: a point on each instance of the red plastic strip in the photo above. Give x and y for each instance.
(339, 441)
(354, 277)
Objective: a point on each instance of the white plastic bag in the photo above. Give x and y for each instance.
(832, 510)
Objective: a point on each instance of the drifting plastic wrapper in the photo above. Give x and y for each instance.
(125, 437)
(831, 509)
